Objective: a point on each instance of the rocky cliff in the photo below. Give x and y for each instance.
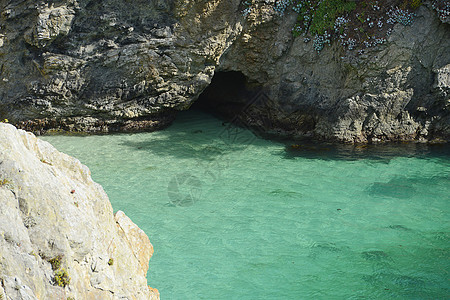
(59, 238)
(99, 66)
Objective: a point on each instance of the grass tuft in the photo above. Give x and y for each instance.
(62, 278)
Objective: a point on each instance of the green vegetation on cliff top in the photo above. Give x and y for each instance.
(358, 25)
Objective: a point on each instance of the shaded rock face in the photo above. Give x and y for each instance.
(130, 65)
(58, 235)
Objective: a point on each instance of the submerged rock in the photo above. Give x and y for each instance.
(399, 227)
(399, 188)
(58, 235)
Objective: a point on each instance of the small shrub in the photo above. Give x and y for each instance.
(416, 4)
(110, 261)
(55, 262)
(326, 13)
(62, 279)
(6, 183)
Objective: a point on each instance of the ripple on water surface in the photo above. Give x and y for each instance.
(233, 216)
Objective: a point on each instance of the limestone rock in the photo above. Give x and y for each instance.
(442, 81)
(51, 23)
(55, 221)
(137, 240)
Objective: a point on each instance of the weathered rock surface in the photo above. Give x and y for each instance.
(55, 220)
(85, 65)
(397, 91)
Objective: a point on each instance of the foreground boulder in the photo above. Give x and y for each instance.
(59, 238)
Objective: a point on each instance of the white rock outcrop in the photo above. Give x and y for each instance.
(59, 238)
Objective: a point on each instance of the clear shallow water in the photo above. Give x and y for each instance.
(232, 216)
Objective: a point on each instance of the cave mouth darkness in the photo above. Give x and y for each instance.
(238, 101)
(227, 96)
(235, 98)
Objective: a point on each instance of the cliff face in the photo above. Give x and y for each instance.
(59, 238)
(129, 65)
(109, 65)
(396, 91)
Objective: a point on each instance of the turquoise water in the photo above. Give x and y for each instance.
(233, 216)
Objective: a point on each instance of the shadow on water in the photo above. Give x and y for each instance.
(405, 187)
(400, 188)
(180, 145)
(381, 153)
(197, 135)
(190, 144)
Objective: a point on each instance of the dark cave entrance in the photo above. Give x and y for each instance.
(227, 96)
(234, 98)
